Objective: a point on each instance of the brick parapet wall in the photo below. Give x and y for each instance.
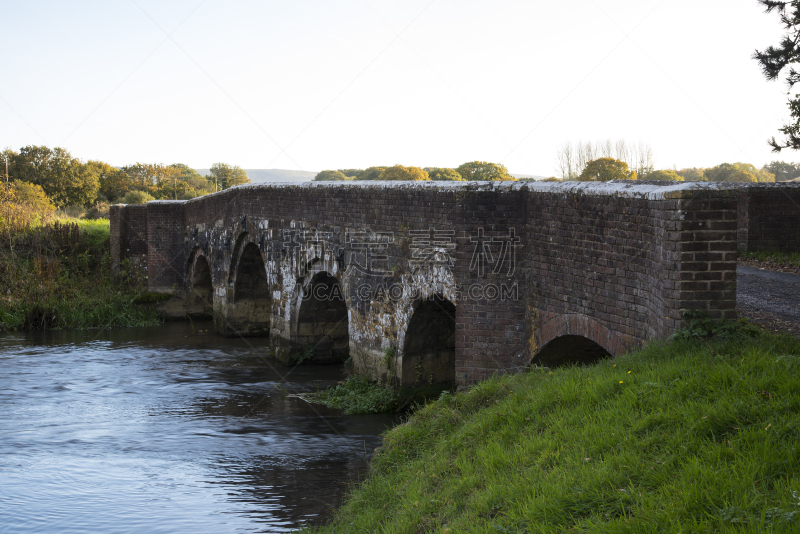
(706, 233)
(166, 256)
(769, 217)
(129, 235)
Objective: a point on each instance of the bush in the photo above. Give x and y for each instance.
(137, 197)
(33, 196)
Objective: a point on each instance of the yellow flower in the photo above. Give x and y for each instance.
(620, 381)
(629, 372)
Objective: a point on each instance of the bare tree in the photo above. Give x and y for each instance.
(572, 158)
(566, 161)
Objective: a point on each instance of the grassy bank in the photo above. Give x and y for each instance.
(57, 273)
(687, 436)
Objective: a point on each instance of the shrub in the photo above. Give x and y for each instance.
(33, 196)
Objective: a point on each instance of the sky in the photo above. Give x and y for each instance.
(314, 85)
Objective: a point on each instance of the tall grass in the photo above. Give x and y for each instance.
(687, 436)
(57, 272)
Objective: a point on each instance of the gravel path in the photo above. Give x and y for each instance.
(769, 298)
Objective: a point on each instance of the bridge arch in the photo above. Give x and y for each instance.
(321, 329)
(250, 309)
(201, 286)
(429, 345)
(574, 339)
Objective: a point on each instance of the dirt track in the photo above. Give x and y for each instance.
(769, 298)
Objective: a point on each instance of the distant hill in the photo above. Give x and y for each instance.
(272, 175)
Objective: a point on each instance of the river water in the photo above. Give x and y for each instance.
(168, 430)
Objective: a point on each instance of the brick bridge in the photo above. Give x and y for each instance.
(449, 283)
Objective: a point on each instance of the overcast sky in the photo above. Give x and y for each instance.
(313, 85)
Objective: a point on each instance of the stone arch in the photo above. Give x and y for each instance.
(250, 310)
(575, 340)
(201, 286)
(322, 323)
(429, 347)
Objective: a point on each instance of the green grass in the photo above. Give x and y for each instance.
(791, 259)
(358, 395)
(60, 276)
(686, 436)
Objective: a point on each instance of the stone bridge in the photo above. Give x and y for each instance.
(445, 282)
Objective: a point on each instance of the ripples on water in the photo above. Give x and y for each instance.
(156, 430)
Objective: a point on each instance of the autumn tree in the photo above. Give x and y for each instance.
(665, 175)
(224, 176)
(351, 173)
(443, 174)
(730, 172)
(331, 176)
(606, 169)
(399, 172)
(693, 175)
(372, 173)
(773, 60)
(483, 171)
(114, 182)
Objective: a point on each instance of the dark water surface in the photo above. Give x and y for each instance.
(156, 430)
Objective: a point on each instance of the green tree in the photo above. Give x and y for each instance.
(331, 176)
(606, 169)
(64, 179)
(399, 172)
(693, 175)
(483, 171)
(351, 173)
(730, 172)
(783, 171)
(114, 182)
(665, 175)
(224, 176)
(372, 173)
(773, 60)
(443, 174)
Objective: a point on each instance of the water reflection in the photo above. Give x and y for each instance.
(165, 431)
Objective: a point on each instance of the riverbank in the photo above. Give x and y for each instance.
(58, 274)
(682, 436)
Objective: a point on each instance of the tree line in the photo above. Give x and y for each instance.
(483, 171)
(39, 173)
(620, 160)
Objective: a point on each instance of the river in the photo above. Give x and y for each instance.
(168, 429)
